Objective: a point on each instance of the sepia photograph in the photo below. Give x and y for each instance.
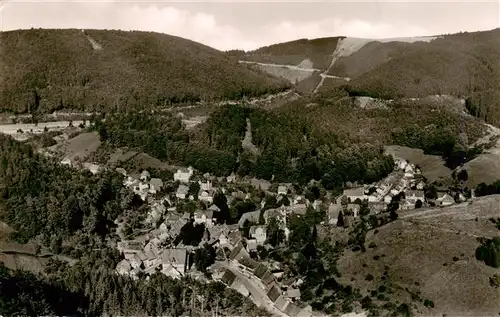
(248, 158)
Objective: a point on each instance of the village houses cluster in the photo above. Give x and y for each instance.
(160, 250)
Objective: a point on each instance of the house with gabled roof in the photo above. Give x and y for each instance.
(414, 195)
(177, 258)
(129, 246)
(206, 195)
(145, 176)
(274, 293)
(444, 199)
(183, 175)
(353, 194)
(205, 217)
(155, 185)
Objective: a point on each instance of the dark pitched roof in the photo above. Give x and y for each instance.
(274, 293)
(228, 277)
(249, 262)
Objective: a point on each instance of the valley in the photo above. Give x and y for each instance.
(146, 174)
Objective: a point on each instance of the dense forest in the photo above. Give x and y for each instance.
(45, 70)
(71, 212)
(66, 209)
(435, 125)
(290, 148)
(464, 64)
(91, 288)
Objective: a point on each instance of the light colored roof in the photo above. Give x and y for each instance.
(334, 210)
(145, 174)
(282, 188)
(253, 229)
(360, 191)
(416, 193)
(208, 214)
(214, 208)
(293, 293)
(183, 189)
(123, 265)
(156, 182)
(178, 256)
(251, 244)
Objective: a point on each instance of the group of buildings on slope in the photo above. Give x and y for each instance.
(159, 249)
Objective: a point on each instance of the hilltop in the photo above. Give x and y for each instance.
(465, 65)
(50, 70)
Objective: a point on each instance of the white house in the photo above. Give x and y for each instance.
(231, 178)
(145, 176)
(66, 161)
(259, 234)
(444, 199)
(388, 198)
(204, 216)
(155, 185)
(182, 192)
(123, 267)
(414, 195)
(206, 196)
(333, 213)
(93, 168)
(420, 185)
(401, 164)
(183, 175)
(205, 185)
(282, 190)
(251, 245)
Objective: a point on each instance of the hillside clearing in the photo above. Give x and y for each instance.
(449, 276)
(432, 166)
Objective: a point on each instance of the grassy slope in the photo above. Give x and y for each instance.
(466, 64)
(318, 51)
(420, 264)
(132, 68)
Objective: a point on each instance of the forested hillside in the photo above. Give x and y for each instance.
(465, 65)
(291, 148)
(318, 51)
(44, 70)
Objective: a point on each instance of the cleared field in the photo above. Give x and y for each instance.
(81, 146)
(485, 168)
(432, 166)
(432, 256)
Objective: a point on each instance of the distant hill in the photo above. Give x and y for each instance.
(53, 69)
(464, 64)
(318, 51)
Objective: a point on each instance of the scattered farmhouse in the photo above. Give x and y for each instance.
(444, 199)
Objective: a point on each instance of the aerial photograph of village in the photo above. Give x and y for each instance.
(293, 159)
